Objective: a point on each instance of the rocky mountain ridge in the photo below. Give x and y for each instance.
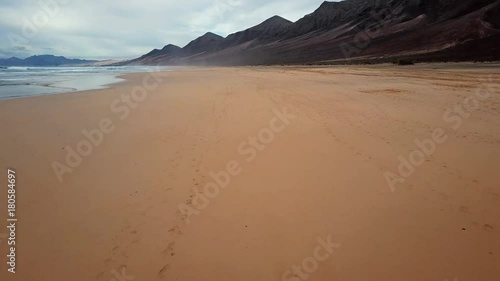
(353, 31)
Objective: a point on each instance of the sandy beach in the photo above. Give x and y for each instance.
(259, 173)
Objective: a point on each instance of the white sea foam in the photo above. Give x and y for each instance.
(16, 82)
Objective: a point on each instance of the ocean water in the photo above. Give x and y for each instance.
(18, 82)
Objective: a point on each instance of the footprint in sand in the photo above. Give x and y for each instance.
(464, 209)
(169, 249)
(175, 230)
(488, 228)
(163, 270)
(115, 249)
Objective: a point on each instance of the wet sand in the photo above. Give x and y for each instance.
(283, 173)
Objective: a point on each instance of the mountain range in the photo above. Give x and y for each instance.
(353, 31)
(43, 60)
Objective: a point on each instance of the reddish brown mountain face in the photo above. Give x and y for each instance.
(354, 31)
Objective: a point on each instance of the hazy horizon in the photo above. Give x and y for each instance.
(74, 28)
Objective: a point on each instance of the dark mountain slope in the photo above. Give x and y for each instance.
(209, 42)
(269, 30)
(361, 31)
(158, 56)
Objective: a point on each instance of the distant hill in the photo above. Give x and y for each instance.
(207, 43)
(265, 32)
(354, 31)
(43, 60)
(156, 56)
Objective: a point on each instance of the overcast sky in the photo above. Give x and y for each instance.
(100, 29)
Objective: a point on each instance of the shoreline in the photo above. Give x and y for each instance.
(268, 164)
(64, 80)
(70, 90)
(459, 66)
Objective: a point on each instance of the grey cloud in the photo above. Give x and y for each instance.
(97, 29)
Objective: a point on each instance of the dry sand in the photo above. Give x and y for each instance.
(322, 174)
